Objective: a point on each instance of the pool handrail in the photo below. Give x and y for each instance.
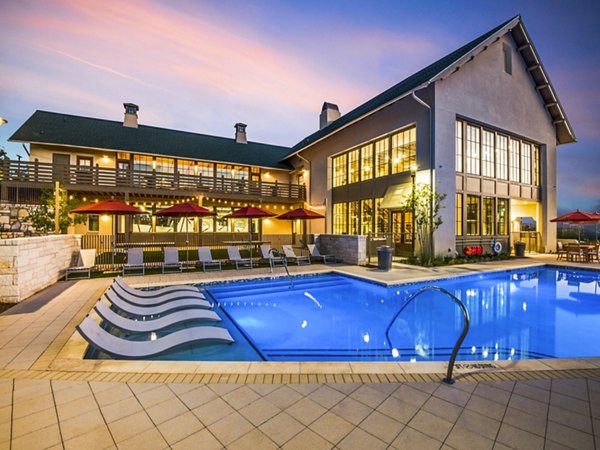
(411, 297)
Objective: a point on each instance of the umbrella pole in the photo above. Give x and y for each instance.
(250, 240)
(114, 238)
(187, 243)
(293, 234)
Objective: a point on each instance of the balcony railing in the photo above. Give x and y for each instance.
(42, 175)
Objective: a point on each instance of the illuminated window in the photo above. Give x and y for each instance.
(488, 216)
(142, 163)
(502, 157)
(353, 217)
(366, 162)
(526, 163)
(487, 153)
(404, 150)
(536, 165)
(459, 213)
(473, 159)
(165, 165)
(340, 224)
(185, 167)
(382, 157)
(93, 223)
(340, 170)
(206, 169)
(353, 172)
(381, 217)
(366, 221)
(231, 171)
(459, 146)
(513, 148)
(473, 208)
(502, 215)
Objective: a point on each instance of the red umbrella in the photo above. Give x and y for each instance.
(249, 212)
(578, 218)
(300, 213)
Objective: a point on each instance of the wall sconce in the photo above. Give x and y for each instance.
(105, 159)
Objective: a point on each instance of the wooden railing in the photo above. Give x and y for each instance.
(37, 174)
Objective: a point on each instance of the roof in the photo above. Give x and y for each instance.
(443, 66)
(45, 127)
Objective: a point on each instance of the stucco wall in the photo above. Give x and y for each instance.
(347, 248)
(28, 265)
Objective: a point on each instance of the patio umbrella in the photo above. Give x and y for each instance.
(186, 210)
(250, 212)
(302, 214)
(113, 207)
(578, 218)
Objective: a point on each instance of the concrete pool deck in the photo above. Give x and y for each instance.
(50, 397)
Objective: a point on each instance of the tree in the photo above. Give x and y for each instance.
(42, 215)
(418, 202)
(3, 154)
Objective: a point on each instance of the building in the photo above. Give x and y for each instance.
(481, 125)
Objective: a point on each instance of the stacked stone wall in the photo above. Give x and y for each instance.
(350, 249)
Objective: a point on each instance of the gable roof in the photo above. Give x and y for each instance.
(45, 127)
(446, 65)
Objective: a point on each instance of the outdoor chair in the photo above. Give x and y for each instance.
(171, 262)
(233, 253)
(574, 252)
(561, 253)
(314, 253)
(268, 255)
(180, 288)
(290, 254)
(86, 261)
(152, 301)
(205, 258)
(593, 254)
(155, 310)
(134, 262)
(122, 348)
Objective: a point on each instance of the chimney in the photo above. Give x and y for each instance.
(131, 117)
(329, 113)
(240, 133)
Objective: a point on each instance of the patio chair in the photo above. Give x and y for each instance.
(134, 262)
(147, 326)
(233, 253)
(205, 258)
(171, 262)
(593, 253)
(155, 310)
(574, 252)
(290, 254)
(561, 252)
(85, 262)
(143, 301)
(314, 253)
(123, 348)
(268, 255)
(181, 288)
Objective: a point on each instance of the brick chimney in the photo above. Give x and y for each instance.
(131, 117)
(240, 133)
(329, 113)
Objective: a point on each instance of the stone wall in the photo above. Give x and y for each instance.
(29, 264)
(350, 249)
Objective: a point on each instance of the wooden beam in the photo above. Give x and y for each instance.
(537, 66)
(550, 105)
(542, 86)
(523, 47)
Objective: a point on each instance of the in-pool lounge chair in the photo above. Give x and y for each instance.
(171, 262)
(233, 253)
(134, 262)
(268, 255)
(122, 348)
(147, 326)
(154, 301)
(85, 263)
(205, 258)
(290, 254)
(314, 253)
(156, 292)
(155, 310)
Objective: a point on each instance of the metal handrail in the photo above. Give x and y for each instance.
(460, 340)
(277, 254)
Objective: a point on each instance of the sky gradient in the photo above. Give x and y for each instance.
(203, 66)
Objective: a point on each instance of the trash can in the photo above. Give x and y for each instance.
(384, 257)
(520, 249)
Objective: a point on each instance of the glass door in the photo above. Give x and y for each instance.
(402, 229)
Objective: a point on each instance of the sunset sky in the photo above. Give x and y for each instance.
(203, 66)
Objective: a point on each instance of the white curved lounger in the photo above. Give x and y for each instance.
(146, 326)
(156, 292)
(167, 308)
(115, 346)
(154, 301)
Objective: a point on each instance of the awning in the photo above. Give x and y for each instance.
(396, 195)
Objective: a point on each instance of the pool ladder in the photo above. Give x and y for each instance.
(277, 254)
(461, 305)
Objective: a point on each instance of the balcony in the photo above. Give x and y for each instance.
(101, 180)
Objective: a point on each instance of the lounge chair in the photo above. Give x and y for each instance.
(290, 254)
(268, 255)
(206, 259)
(233, 254)
(561, 253)
(85, 263)
(122, 348)
(156, 292)
(155, 310)
(314, 253)
(171, 261)
(134, 262)
(154, 301)
(147, 326)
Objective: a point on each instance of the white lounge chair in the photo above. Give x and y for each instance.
(147, 326)
(155, 310)
(314, 253)
(122, 348)
(233, 254)
(268, 255)
(155, 292)
(206, 259)
(290, 254)
(85, 263)
(134, 262)
(154, 301)
(171, 261)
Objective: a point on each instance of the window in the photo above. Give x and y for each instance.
(206, 169)
(513, 148)
(473, 215)
(366, 162)
(185, 167)
(459, 146)
(366, 220)
(382, 157)
(404, 150)
(502, 215)
(459, 213)
(487, 153)
(473, 150)
(339, 218)
(381, 217)
(353, 172)
(340, 170)
(488, 216)
(93, 223)
(502, 157)
(536, 165)
(353, 217)
(507, 54)
(142, 163)
(525, 163)
(232, 172)
(164, 165)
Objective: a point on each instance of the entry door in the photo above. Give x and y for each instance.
(402, 229)
(60, 167)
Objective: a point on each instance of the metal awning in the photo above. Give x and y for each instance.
(396, 195)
